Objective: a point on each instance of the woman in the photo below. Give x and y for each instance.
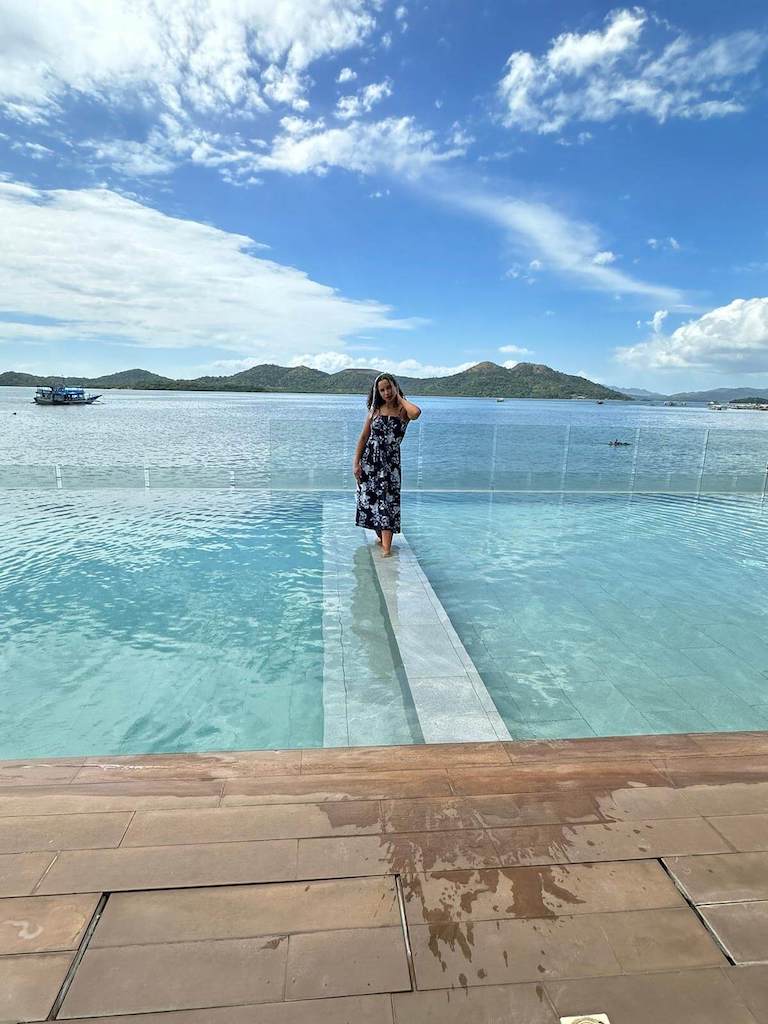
(377, 459)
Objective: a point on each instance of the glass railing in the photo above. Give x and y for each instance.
(440, 457)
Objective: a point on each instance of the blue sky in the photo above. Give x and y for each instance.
(198, 187)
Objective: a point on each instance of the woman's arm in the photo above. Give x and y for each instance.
(411, 411)
(361, 442)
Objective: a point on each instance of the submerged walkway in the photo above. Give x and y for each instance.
(517, 882)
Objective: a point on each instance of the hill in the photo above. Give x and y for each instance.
(484, 380)
(721, 395)
(641, 393)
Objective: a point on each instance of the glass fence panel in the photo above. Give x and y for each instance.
(454, 457)
(189, 477)
(311, 455)
(85, 477)
(593, 463)
(669, 460)
(736, 461)
(18, 477)
(528, 458)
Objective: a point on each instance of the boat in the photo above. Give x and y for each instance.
(600, 401)
(499, 399)
(59, 395)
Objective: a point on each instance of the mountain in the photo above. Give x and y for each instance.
(720, 395)
(641, 393)
(484, 380)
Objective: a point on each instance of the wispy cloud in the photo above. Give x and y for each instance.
(634, 64)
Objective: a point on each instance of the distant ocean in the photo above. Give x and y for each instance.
(458, 442)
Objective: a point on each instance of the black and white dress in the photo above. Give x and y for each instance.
(378, 490)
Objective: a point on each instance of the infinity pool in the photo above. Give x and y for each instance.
(606, 614)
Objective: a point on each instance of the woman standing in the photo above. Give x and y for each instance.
(377, 459)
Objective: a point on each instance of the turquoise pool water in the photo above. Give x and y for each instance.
(606, 614)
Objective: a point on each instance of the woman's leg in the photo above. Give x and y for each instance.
(386, 541)
(378, 536)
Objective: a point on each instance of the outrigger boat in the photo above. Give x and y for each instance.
(60, 395)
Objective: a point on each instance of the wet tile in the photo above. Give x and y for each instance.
(684, 997)
(37, 773)
(159, 867)
(505, 952)
(742, 928)
(745, 832)
(29, 984)
(416, 758)
(245, 824)
(510, 809)
(722, 878)
(339, 963)
(543, 891)
(555, 775)
(603, 748)
(44, 924)
(728, 798)
(733, 743)
(751, 984)
(345, 1010)
(20, 872)
(62, 831)
(657, 940)
(494, 1004)
(244, 911)
(393, 853)
(651, 803)
(192, 767)
(715, 770)
(428, 815)
(119, 796)
(183, 975)
(552, 844)
(356, 785)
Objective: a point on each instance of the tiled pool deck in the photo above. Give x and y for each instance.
(490, 883)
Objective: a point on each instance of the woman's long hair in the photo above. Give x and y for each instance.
(375, 400)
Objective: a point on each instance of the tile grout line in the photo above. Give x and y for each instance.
(480, 705)
(69, 977)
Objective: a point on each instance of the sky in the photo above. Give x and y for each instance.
(200, 186)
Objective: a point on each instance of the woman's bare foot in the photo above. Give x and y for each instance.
(386, 554)
(378, 538)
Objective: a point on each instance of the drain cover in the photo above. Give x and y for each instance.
(589, 1018)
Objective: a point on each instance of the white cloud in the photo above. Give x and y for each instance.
(346, 75)
(602, 259)
(565, 245)
(332, 362)
(401, 12)
(395, 144)
(664, 243)
(515, 350)
(732, 338)
(143, 278)
(32, 149)
(625, 68)
(361, 103)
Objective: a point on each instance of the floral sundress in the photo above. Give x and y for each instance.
(378, 490)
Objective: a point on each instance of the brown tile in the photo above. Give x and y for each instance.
(546, 891)
(347, 963)
(417, 757)
(651, 803)
(107, 796)
(48, 762)
(394, 853)
(634, 840)
(745, 832)
(339, 786)
(715, 770)
(44, 924)
(611, 748)
(505, 952)
(246, 911)
(510, 809)
(62, 831)
(428, 815)
(194, 767)
(20, 872)
(684, 997)
(657, 940)
(728, 798)
(494, 1004)
(29, 984)
(177, 976)
(542, 778)
(37, 773)
(742, 928)
(722, 878)
(716, 743)
(345, 1010)
(248, 824)
(158, 867)
(751, 984)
